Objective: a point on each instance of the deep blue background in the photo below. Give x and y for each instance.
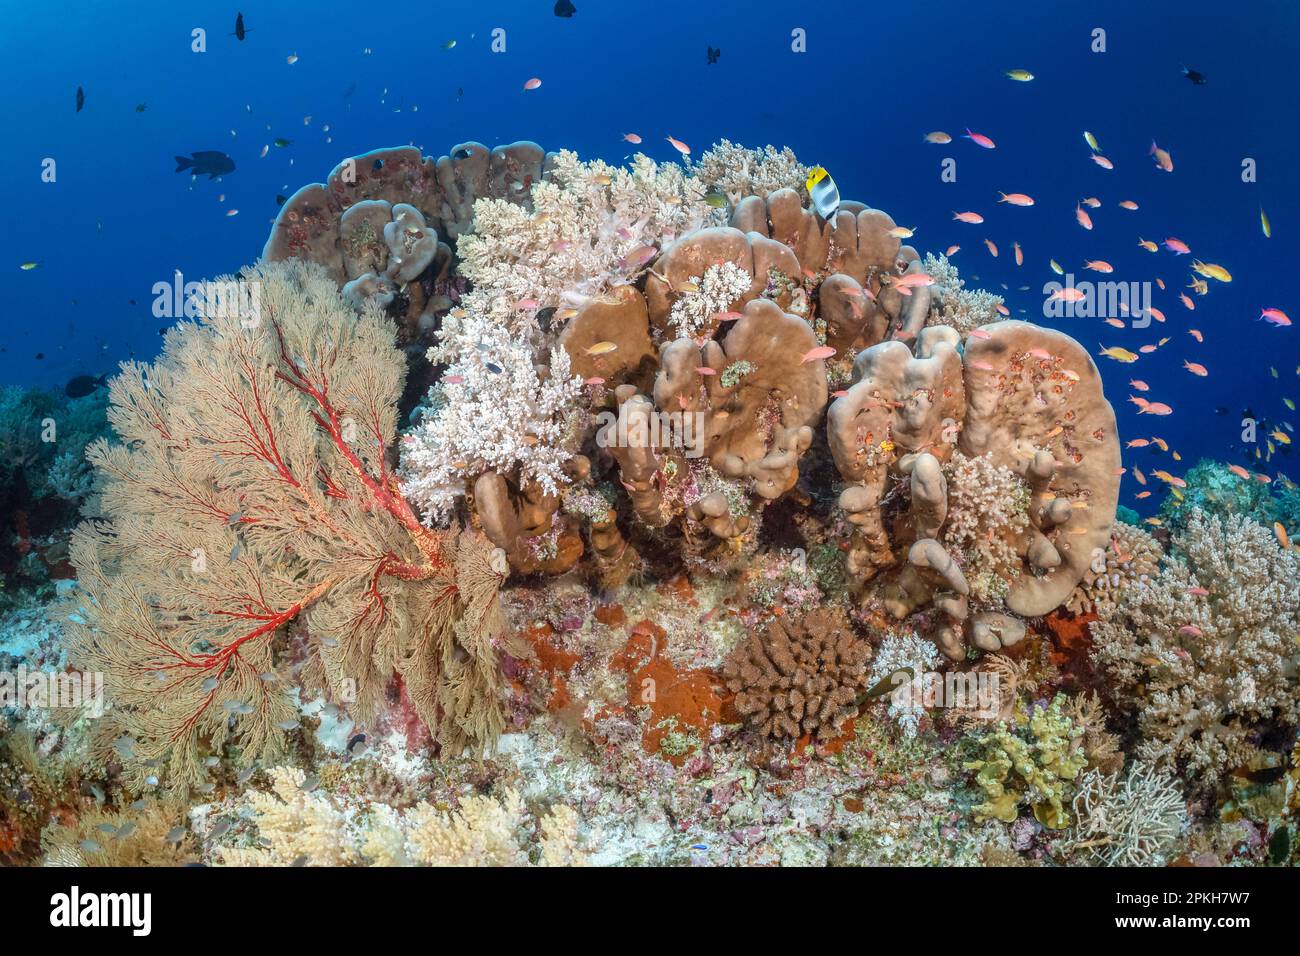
(876, 77)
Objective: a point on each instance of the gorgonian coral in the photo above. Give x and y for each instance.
(256, 543)
(1206, 653)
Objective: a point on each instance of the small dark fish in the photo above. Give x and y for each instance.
(358, 739)
(563, 8)
(211, 162)
(39, 356)
(281, 199)
(81, 98)
(141, 107)
(240, 32)
(460, 91)
(493, 368)
(280, 142)
(713, 55)
(462, 153)
(377, 165)
(83, 385)
(1194, 76)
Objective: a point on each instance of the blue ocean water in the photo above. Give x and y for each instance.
(874, 79)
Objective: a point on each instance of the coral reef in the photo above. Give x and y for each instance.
(1205, 653)
(553, 512)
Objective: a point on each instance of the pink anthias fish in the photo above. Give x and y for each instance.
(979, 139)
(973, 218)
(533, 83)
(1177, 246)
(1275, 317)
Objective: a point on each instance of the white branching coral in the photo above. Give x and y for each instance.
(956, 306)
(1212, 643)
(301, 826)
(714, 292)
(1127, 819)
(492, 409)
(987, 511)
(899, 652)
(588, 221)
(593, 227)
(1132, 558)
(738, 172)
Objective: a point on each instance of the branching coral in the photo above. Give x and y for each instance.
(988, 508)
(707, 295)
(298, 823)
(1132, 558)
(252, 490)
(738, 172)
(954, 305)
(492, 410)
(1129, 819)
(1206, 652)
(801, 677)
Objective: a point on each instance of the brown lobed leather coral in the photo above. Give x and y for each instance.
(798, 678)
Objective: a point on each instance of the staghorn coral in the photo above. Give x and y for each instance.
(799, 677)
(298, 823)
(1205, 654)
(1130, 819)
(252, 490)
(1132, 559)
(1033, 762)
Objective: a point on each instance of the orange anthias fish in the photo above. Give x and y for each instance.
(993, 249)
(1020, 256)
(1195, 368)
(938, 136)
(1170, 479)
(1098, 265)
(1155, 408)
(1127, 204)
(1082, 216)
(1140, 385)
(1103, 162)
(679, 146)
(1092, 202)
(1163, 159)
(1239, 472)
(1148, 245)
(973, 218)
(1016, 199)
(1275, 317)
